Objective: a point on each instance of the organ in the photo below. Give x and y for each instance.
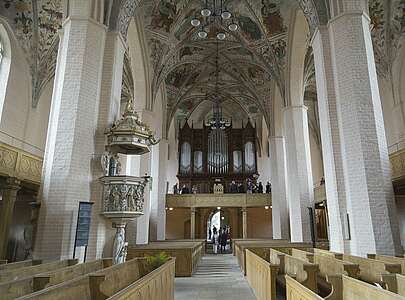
(211, 155)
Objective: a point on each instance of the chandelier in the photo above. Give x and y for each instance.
(214, 12)
(217, 121)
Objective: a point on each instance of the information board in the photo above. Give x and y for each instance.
(83, 225)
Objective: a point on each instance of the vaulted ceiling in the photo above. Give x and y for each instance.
(248, 59)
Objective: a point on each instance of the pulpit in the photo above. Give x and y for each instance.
(123, 196)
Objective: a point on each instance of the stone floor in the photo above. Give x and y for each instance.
(216, 277)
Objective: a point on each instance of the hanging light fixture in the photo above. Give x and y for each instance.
(214, 12)
(195, 22)
(217, 121)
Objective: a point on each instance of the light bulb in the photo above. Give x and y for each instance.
(221, 36)
(195, 22)
(205, 12)
(226, 15)
(233, 27)
(202, 34)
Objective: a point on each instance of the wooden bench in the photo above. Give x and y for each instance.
(261, 276)
(347, 288)
(328, 265)
(241, 247)
(187, 254)
(20, 264)
(304, 272)
(394, 283)
(159, 284)
(14, 274)
(296, 291)
(372, 269)
(102, 284)
(390, 260)
(17, 288)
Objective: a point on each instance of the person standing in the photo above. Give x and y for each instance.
(224, 240)
(175, 189)
(260, 188)
(215, 242)
(268, 187)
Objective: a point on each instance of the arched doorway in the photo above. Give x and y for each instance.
(219, 221)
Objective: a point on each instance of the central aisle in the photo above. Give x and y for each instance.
(216, 277)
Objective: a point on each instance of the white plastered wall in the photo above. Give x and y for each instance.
(21, 125)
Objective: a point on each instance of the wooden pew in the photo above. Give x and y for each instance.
(24, 286)
(394, 283)
(261, 276)
(159, 284)
(14, 274)
(372, 269)
(240, 248)
(20, 264)
(105, 283)
(3, 261)
(347, 288)
(328, 265)
(187, 254)
(296, 291)
(304, 272)
(390, 260)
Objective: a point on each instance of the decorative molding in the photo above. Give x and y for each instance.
(397, 160)
(20, 164)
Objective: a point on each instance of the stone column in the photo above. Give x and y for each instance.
(278, 168)
(109, 111)
(192, 223)
(366, 166)
(9, 197)
(70, 147)
(300, 188)
(331, 141)
(244, 222)
(158, 193)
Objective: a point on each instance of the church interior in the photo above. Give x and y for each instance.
(202, 149)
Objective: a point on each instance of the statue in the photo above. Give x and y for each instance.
(119, 246)
(105, 163)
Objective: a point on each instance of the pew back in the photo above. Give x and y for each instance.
(348, 288)
(390, 260)
(14, 274)
(394, 283)
(19, 264)
(159, 284)
(17, 288)
(370, 269)
(261, 276)
(304, 272)
(296, 291)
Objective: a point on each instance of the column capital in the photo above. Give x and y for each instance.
(193, 210)
(244, 209)
(11, 183)
(295, 107)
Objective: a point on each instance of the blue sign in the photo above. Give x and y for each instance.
(83, 224)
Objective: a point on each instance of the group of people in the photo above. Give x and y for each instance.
(251, 187)
(184, 190)
(234, 188)
(219, 239)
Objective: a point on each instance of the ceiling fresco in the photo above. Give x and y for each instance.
(36, 24)
(249, 59)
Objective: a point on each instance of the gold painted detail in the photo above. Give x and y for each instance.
(20, 164)
(397, 160)
(214, 200)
